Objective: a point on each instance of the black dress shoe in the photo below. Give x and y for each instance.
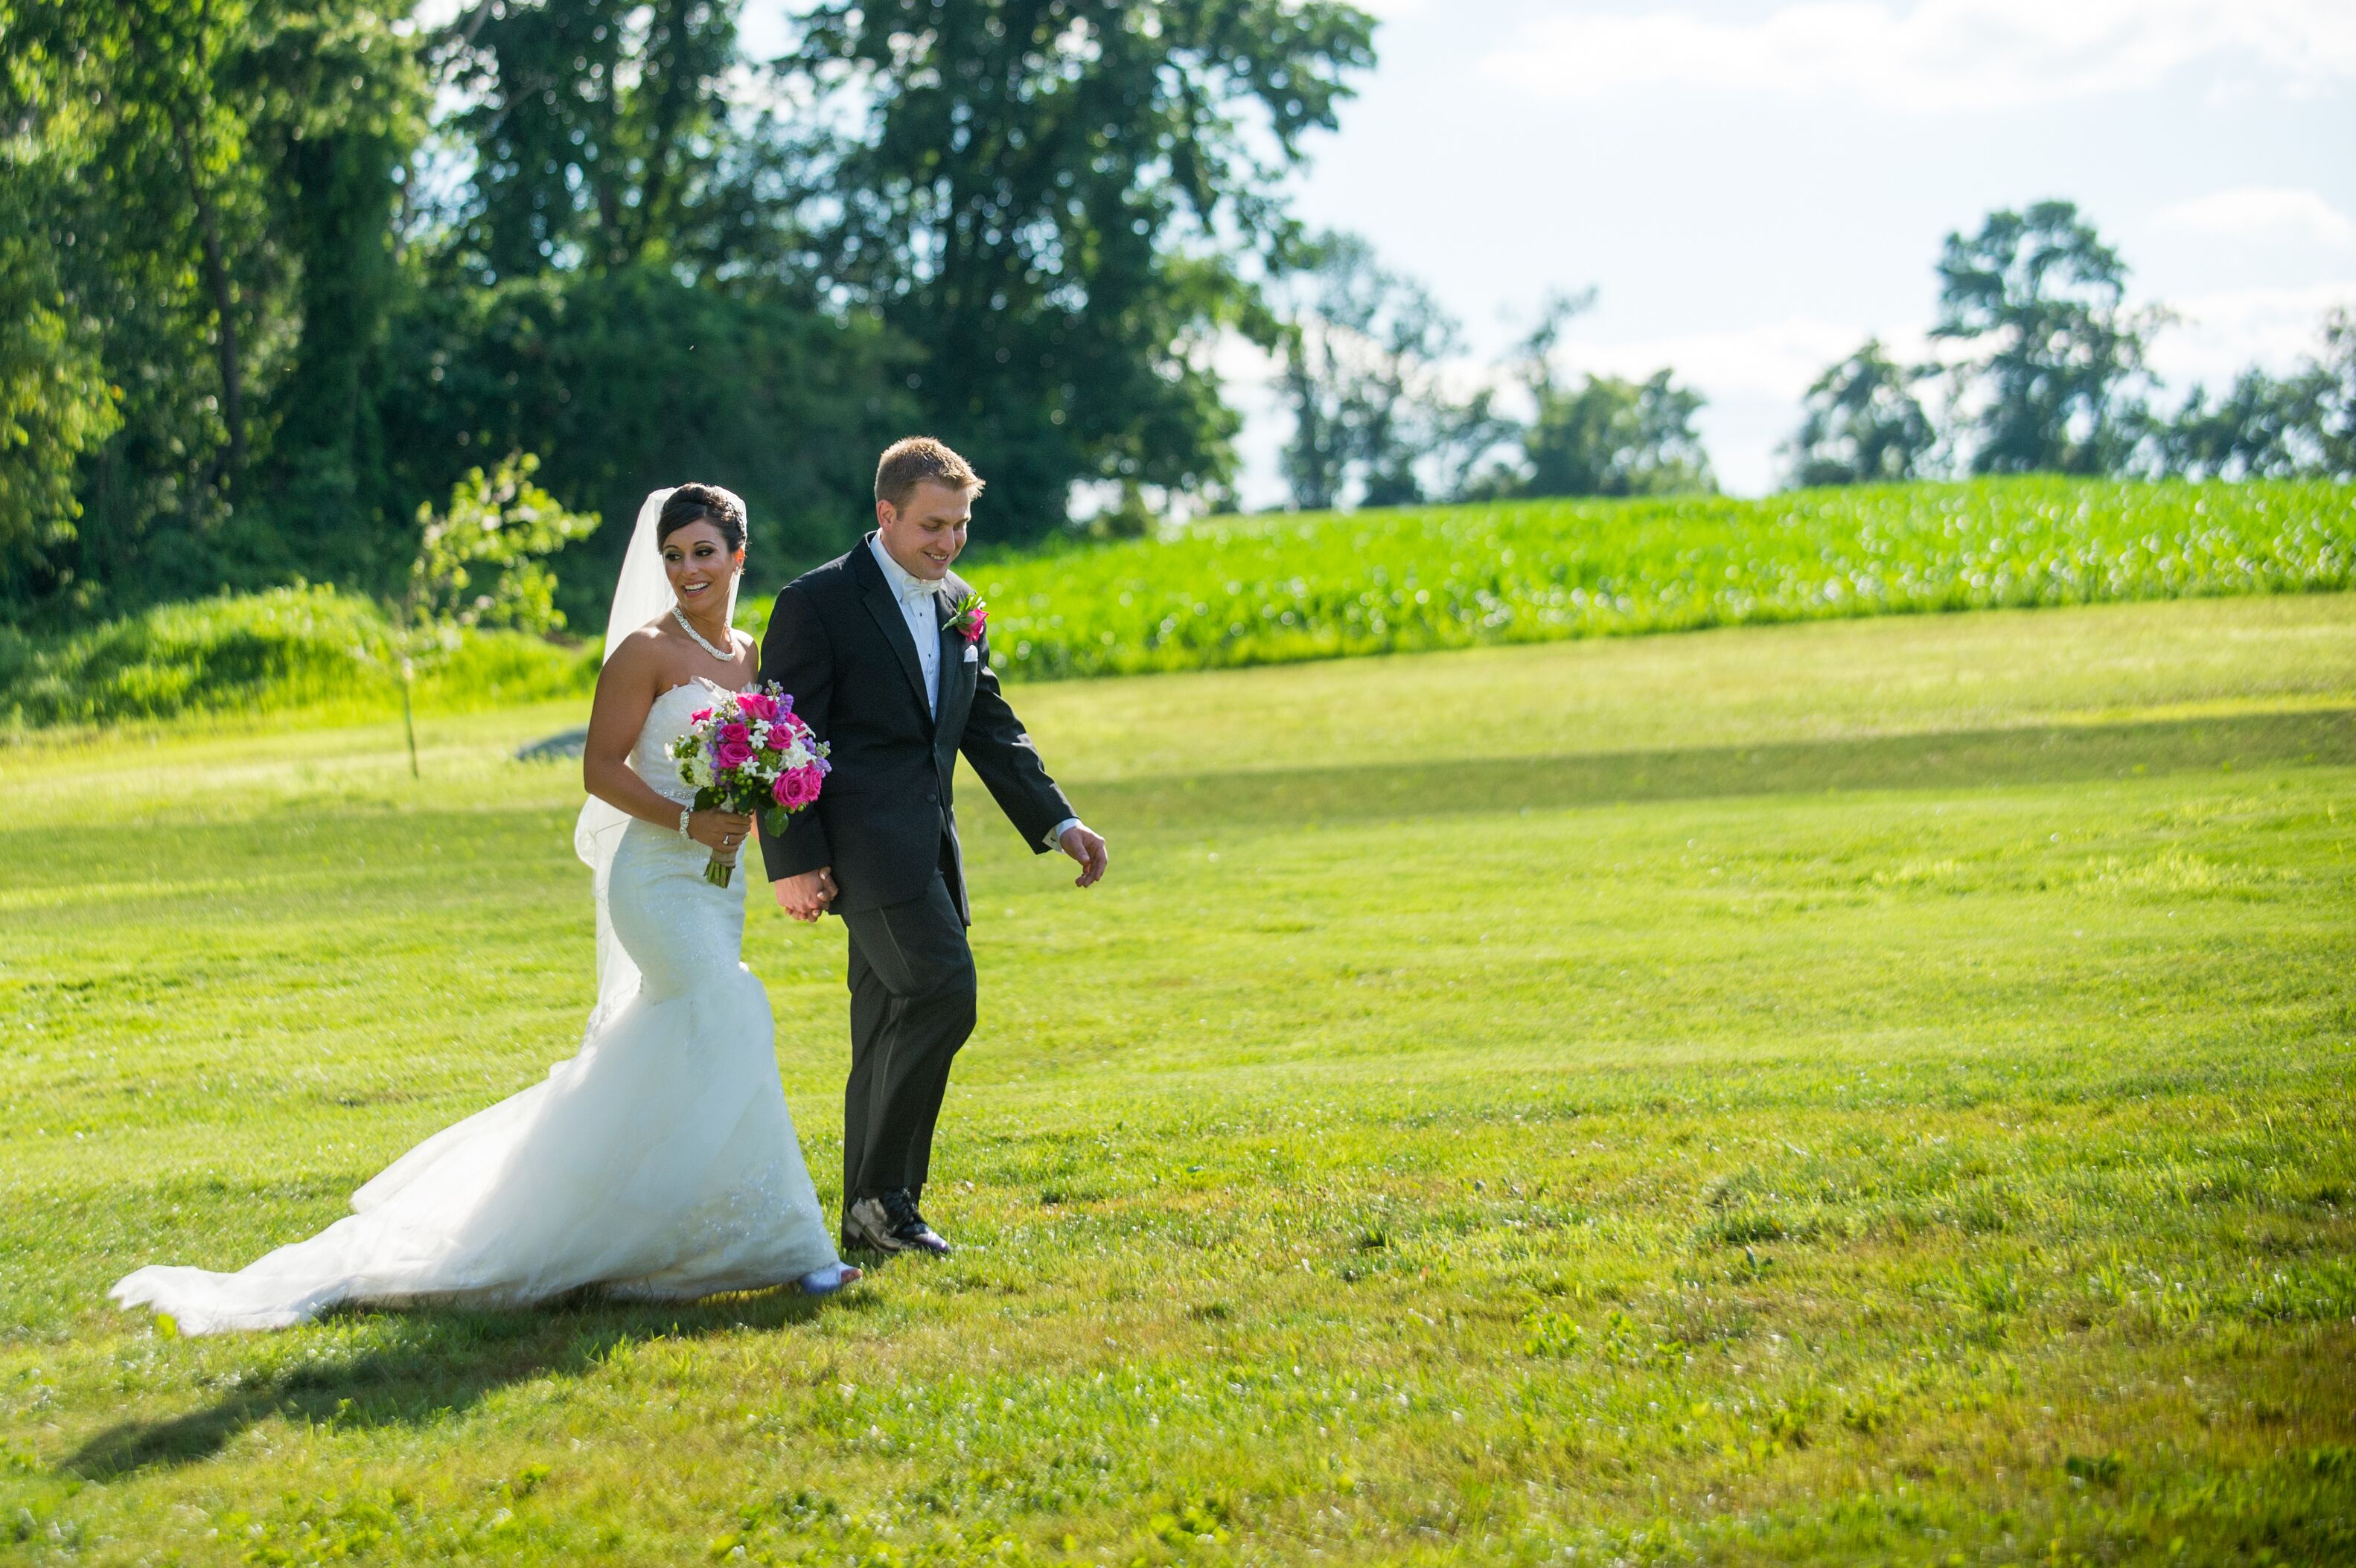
(888, 1222)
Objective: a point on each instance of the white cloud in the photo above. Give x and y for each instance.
(2217, 335)
(1775, 358)
(1937, 55)
(2261, 213)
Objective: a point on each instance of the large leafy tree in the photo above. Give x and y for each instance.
(126, 175)
(596, 127)
(1861, 424)
(261, 302)
(56, 403)
(2038, 298)
(209, 181)
(343, 113)
(622, 285)
(631, 378)
(1061, 203)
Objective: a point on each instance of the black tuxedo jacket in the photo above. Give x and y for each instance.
(886, 820)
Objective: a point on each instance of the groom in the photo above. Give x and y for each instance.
(886, 668)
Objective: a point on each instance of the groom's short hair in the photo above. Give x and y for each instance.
(920, 460)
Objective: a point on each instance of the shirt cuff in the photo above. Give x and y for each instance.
(1055, 839)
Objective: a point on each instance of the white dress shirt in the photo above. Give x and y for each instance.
(919, 601)
(920, 608)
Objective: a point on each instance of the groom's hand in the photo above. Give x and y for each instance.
(1088, 849)
(806, 897)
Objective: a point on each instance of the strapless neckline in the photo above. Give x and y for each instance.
(650, 759)
(702, 680)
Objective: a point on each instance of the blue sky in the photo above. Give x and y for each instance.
(1752, 188)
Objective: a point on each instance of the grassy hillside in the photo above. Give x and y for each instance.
(1873, 1090)
(310, 650)
(1276, 590)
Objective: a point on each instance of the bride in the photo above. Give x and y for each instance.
(661, 1162)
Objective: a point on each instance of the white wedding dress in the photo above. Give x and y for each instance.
(661, 1162)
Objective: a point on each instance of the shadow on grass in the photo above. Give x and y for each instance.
(430, 1364)
(1948, 759)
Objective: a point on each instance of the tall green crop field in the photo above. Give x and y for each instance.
(1235, 592)
(1277, 590)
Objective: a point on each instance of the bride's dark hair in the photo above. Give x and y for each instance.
(702, 503)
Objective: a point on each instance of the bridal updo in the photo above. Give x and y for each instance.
(703, 504)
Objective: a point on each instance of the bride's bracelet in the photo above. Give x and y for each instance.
(684, 813)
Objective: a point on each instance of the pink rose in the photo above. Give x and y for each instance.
(700, 716)
(797, 788)
(977, 622)
(754, 705)
(732, 748)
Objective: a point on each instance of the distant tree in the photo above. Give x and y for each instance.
(2252, 431)
(1364, 374)
(1861, 424)
(1608, 436)
(2300, 425)
(1062, 204)
(2330, 404)
(1600, 435)
(2039, 296)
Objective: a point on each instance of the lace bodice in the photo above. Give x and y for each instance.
(667, 721)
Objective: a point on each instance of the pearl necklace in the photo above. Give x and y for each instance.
(681, 617)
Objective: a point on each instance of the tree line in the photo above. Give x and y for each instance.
(2046, 371)
(275, 274)
(278, 276)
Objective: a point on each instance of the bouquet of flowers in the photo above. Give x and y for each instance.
(749, 753)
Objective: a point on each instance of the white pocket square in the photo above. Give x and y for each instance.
(972, 655)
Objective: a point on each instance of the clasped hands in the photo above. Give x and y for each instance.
(806, 895)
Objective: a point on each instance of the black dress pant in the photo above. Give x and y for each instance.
(911, 1006)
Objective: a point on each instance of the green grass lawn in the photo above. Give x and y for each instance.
(1874, 1090)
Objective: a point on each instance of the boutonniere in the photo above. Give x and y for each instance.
(969, 618)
